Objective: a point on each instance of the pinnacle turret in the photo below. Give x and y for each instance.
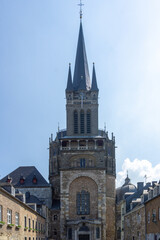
(69, 82)
(94, 80)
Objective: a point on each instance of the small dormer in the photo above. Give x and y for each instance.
(22, 179)
(9, 179)
(34, 180)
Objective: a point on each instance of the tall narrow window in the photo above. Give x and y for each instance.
(75, 122)
(36, 226)
(9, 216)
(82, 121)
(83, 203)
(148, 217)
(97, 232)
(88, 121)
(25, 221)
(82, 162)
(0, 213)
(70, 233)
(29, 223)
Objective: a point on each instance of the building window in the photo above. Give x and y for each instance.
(34, 180)
(82, 162)
(25, 222)
(0, 213)
(148, 217)
(122, 211)
(29, 223)
(88, 121)
(9, 179)
(97, 232)
(25, 238)
(70, 233)
(55, 232)
(75, 122)
(83, 203)
(138, 218)
(36, 226)
(82, 121)
(17, 219)
(154, 215)
(9, 216)
(32, 224)
(55, 217)
(22, 180)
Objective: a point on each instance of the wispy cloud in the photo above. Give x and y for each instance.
(137, 170)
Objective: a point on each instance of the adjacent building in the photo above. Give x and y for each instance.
(17, 220)
(122, 193)
(32, 189)
(29, 180)
(152, 212)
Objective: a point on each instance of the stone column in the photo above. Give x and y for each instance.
(95, 142)
(69, 144)
(61, 145)
(86, 144)
(78, 144)
(103, 144)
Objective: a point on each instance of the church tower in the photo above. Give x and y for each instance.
(82, 162)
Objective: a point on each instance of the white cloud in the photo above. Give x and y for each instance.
(137, 169)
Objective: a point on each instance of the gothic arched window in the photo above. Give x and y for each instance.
(88, 121)
(82, 121)
(83, 203)
(75, 122)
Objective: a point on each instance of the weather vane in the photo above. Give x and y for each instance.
(81, 5)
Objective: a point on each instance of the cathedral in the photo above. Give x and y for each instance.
(82, 162)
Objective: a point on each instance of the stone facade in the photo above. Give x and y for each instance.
(12, 219)
(82, 163)
(134, 223)
(153, 218)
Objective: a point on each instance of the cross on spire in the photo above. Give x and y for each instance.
(81, 4)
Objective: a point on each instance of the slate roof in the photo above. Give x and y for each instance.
(81, 79)
(33, 199)
(28, 173)
(135, 196)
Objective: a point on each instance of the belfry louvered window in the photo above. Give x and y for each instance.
(88, 121)
(75, 122)
(82, 121)
(83, 203)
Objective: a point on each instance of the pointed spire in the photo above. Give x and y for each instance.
(69, 82)
(127, 179)
(81, 80)
(94, 80)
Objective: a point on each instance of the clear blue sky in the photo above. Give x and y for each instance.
(38, 39)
